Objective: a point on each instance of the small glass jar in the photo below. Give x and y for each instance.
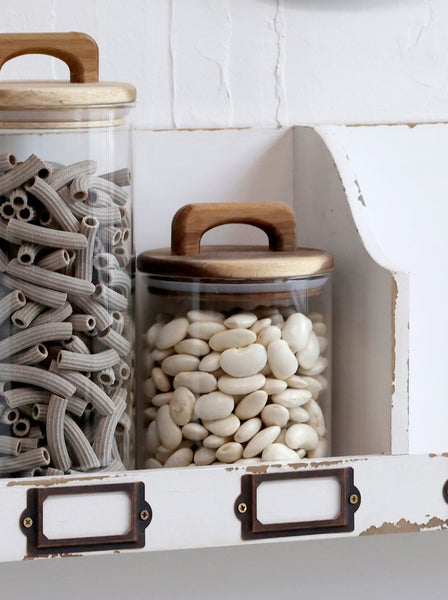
(66, 250)
(234, 344)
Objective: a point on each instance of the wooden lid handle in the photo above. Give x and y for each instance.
(190, 223)
(78, 50)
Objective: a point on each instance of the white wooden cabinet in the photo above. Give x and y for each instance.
(349, 187)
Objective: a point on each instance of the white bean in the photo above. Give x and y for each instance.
(247, 430)
(204, 330)
(319, 366)
(230, 452)
(260, 325)
(269, 334)
(241, 320)
(194, 431)
(210, 362)
(215, 405)
(296, 331)
(259, 442)
(251, 405)
(297, 382)
(232, 338)
(223, 427)
(152, 438)
(278, 452)
(275, 414)
(241, 385)
(170, 434)
(182, 405)
(298, 414)
(301, 435)
(205, 315)
(291, 398)
(281, 359)
(200, 383)
(243, 362)
(193, 346)
(274, 386)
(320, 450)
(204, 456)
(171, 333)
(181, 458)
(215, 441)
(160, 380)
(172, 365)
(161, 399)
(307, 358)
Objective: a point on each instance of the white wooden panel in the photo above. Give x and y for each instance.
(362, 293)
(402, 176)
(176, 168)
(194, 508)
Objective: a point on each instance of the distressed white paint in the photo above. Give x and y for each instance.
(224, 63)
(193, 508)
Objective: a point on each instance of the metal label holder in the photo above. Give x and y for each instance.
(252, 528)
(32, 525)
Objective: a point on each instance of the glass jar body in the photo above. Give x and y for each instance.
(66, 290)
(233, 371)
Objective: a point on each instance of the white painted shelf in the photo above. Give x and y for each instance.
(349, 187)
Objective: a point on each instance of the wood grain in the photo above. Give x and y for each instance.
(78, 50)
(190, 223)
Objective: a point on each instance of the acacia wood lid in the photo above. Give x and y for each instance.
(80, 52)
(186, 258)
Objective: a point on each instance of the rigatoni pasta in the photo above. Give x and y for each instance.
(65, 356)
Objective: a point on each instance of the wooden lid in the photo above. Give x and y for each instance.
(186, 258)
(80, 52)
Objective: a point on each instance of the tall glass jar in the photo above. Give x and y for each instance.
(234, 344)
(66, 260)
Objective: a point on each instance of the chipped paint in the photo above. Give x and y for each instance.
(59, 480)
(393, 332)
(406, 526)
(360, 196)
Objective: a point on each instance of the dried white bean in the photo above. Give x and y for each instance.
(171, 333)
(275, 414)
(241, 320)
(215, 405)
(259, 442)
(292, 397)
(278, 452)
(192, 346)
(223, 427)
(170, 434)
(301, 435)
(200, 383)
(241, 385)
(230, 452)
(182, 405)
(281, 359)
(251, 405)
(243, 362)
(296, 331)
(247, 430)
(204, 330)
(232, 338)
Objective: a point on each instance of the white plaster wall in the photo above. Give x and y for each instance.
(240, 63)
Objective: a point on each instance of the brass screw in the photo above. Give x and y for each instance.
(144, 515)
(242, 507)
(354, 499)
(27, 522)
